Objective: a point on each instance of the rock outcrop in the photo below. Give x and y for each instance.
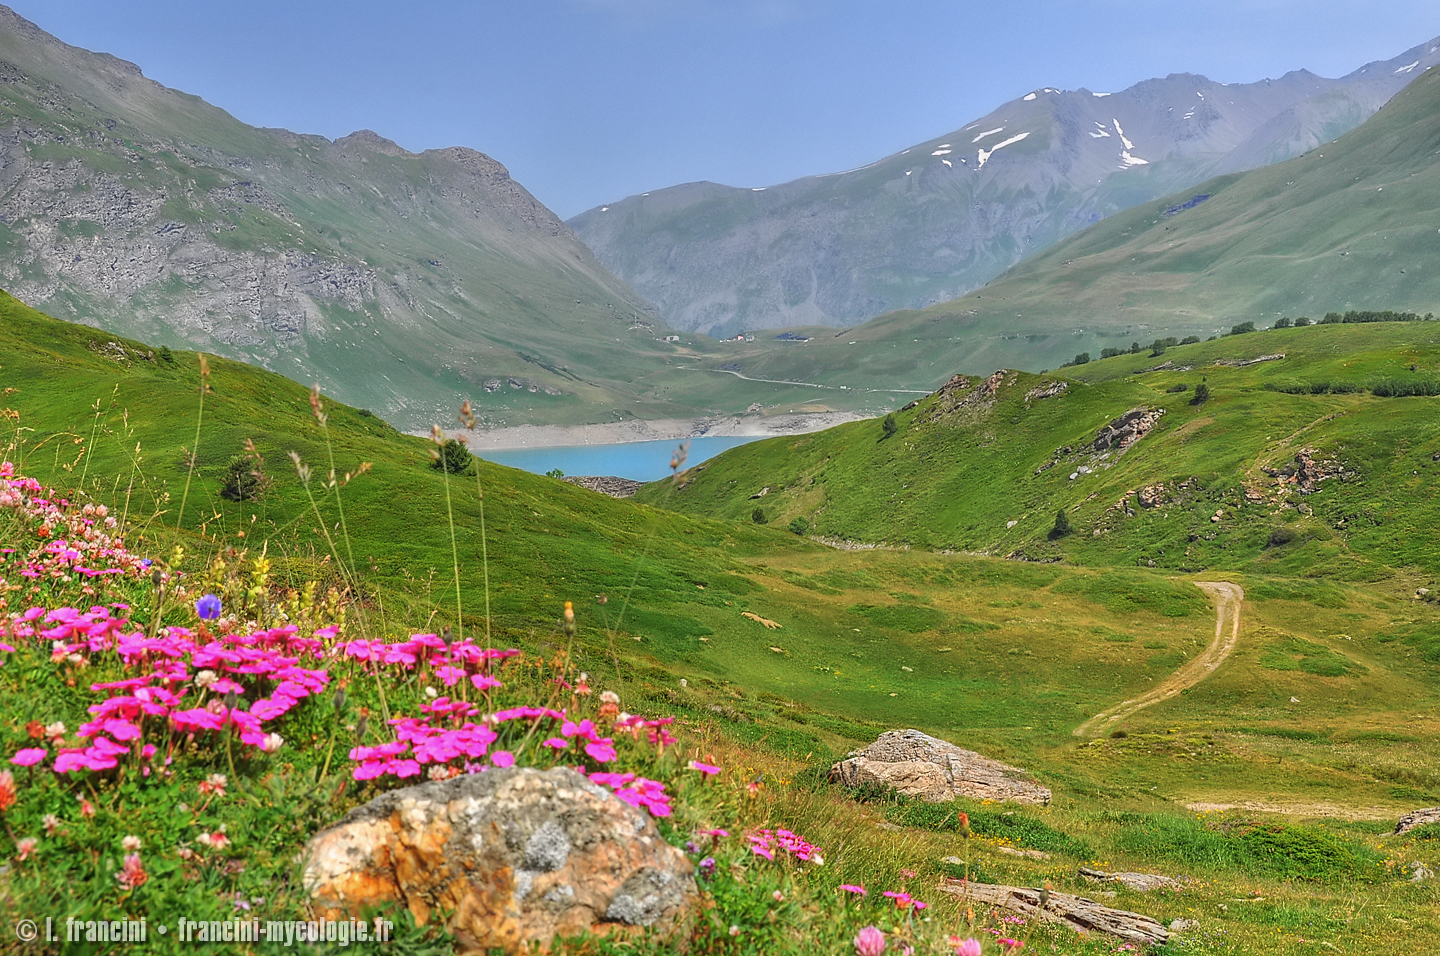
(1417, 819)
(1139, 882)
(516, 856)
(918, 765)
(1126, 430)
(606, 484)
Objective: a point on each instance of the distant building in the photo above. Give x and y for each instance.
(671, 338)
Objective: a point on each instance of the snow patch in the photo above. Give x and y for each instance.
(758, 189)
(1407, 69)
(948, 163)
(988, 132)
(984, 155)
(1127, 160)
(604, 208)
(908, 172)
(1099, 94)
(942, 152)
(1029, 97)
(1121, 132)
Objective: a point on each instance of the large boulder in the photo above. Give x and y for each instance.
(918, 765)
(515, 856)
(1417, 819)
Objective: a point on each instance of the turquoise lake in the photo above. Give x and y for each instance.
(639, 460)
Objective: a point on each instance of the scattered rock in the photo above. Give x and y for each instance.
(517, 856)
(1419, 818)
(769, 624)
(1139, 882)
(1048, 390)
(1151, 496)
(1126, 430)
(1241, 363)
(1419, 872)
(1183, 925)
(916, 764)
(606, 484)
(1077, 912)
(761, 493)
(1024, 854)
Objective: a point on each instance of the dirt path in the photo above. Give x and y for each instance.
(1228, 598)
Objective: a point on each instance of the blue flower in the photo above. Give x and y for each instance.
(208, 607)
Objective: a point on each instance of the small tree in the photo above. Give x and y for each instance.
(799, 526)
(453, 458)
(888, 426)
(1242, 327)
(554, 473)
(759, 517)
(1082, 359)
(1282, 323)
(243, 480)
(1062, 525)
(166, 355)
(1202, 394)
(1303, 321)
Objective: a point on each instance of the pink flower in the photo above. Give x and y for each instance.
(216, 841)
(968, 947)
(869, 942)
(1011, 945)
(852, 888)
(7, 791)
(214, 784)
(705, 768)
(132, 874)
(26, 846)
(502, 758)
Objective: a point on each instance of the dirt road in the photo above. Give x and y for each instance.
(1228, 598)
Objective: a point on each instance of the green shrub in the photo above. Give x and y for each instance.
(1020, 829)
(1062, 526)
(888, 426)
(1240, 328)
(166, 355)
(1202, 394)
(243, 480)
(759, 517)
(453, 458)
(799, 526)
(1190, 340)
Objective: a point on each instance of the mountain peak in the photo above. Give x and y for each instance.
(371, 140)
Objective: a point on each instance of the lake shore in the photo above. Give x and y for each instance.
(665, 429)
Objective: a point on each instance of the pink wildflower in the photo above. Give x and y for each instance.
(132, 874)
(29, 756)
(967, 947)
(26, 846)
(7, 791)
(852, 888)
(705, 768)
(869, 942)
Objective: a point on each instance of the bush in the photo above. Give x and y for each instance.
(799, 526)
(1283, 323)
(1301, 322)
(1190, 340)
(1111, 353)
(1242, 327)
(243, 481)
(1082, 359)
(888, 426)
(1401, 389)
(453, 458)
(759, 517)
(1177, 389)
(166, 355)
(1280, 537)
(1202, 394)
(1062, 526)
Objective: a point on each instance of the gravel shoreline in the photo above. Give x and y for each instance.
(665, 429)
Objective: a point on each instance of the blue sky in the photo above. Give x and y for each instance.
(588, 101)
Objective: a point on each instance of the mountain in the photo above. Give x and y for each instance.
(945, 216)
(403, 282)
(1351, 225)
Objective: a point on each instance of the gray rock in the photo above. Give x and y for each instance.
(1183, 925)
(1139, 882)
(1416, 819)
(517, 856)
(916, 764)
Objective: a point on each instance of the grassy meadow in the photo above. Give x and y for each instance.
(1271, 786)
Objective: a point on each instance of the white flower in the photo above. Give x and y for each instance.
(130, 844)
(206, 678)
(271, 743)
(609, 697)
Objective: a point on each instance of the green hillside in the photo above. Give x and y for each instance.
(776, 654)
(976, 472)
(1350, 225)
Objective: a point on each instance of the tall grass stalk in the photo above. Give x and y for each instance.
(194, 448)
(439, 438)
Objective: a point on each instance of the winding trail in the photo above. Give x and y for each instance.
(1228, 599)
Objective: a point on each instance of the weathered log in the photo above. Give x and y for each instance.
(1082, 915)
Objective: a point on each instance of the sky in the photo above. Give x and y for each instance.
(589, 101)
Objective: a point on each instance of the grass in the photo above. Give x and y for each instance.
(1005, 657)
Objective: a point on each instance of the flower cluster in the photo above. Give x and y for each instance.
(184, 682)
(76, 542)
(766, 842)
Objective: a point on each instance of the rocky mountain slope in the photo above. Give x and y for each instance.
(400, 281)
(1351, 225)
(945, 216)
